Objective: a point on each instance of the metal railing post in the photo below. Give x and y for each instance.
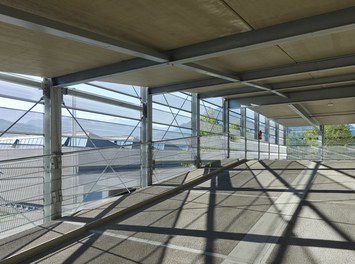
(257, 127)
(146, 139)
(243, 116)
(267, 134)
(195, 125)
(226, 125)
(52, 146)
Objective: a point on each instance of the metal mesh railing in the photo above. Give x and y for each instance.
(173, 157)
(96, 174)
(21, 193)
(295, 152)
(214, 147)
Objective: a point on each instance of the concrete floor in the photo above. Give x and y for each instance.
(258, 212)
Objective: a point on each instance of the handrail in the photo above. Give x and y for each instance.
(95, 149)
(27, 158)
(165, 140)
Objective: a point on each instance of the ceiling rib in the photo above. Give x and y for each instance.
(317, 65)
(297, 97)
(284, 85)
(187, 85)
(269, 36)
(302, 67)
(36, 23)
(299, 29)
(125, 67)
(305, 115)
(225, 76)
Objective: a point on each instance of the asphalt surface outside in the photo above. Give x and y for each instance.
(257, 212)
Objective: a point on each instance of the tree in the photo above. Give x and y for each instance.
(294, 139)
(333, 135)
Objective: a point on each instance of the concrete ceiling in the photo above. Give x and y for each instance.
(287, 59)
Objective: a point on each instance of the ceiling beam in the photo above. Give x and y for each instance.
(336, 21)
(124, 67)
(301, 67)
(308, 27)
(40, 24)
(296, 97)
(283, 86)
(187, 85)
(305, 115)
(318, 65)
(225, 76)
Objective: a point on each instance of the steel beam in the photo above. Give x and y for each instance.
(297, 97)
(187, 85)
(37, 23)
(225, 76)
(308, 27)
(305, 115)
(326, 64)
(304, 28)
(301, 67)
(123, 67)
(282, 86)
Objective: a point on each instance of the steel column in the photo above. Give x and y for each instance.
(226, 124)
(267, 134)
(195, 123)
(146, 139)
(321, 147)
(52, 146)
(243, 123)
(256, 132)
(277, 135)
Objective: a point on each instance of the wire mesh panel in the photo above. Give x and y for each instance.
(339, 152)
(172, 148)
(96, 174)
(237, 147)
(172, 157)
(171, 116)
(264, 150)
(211, 118)
(274, 151)
(21, 194)
(213, 147)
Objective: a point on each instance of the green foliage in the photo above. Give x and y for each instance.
(339, 135)
(294, 139)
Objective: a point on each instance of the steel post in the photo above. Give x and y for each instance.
(52, 146)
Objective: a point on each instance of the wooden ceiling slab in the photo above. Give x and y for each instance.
(249, 60)
(154, 77)
(346, 105)
(44, 55)
(287, 78)
(259, 14)
(162, 24)
(337, 119)
(320, 47)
